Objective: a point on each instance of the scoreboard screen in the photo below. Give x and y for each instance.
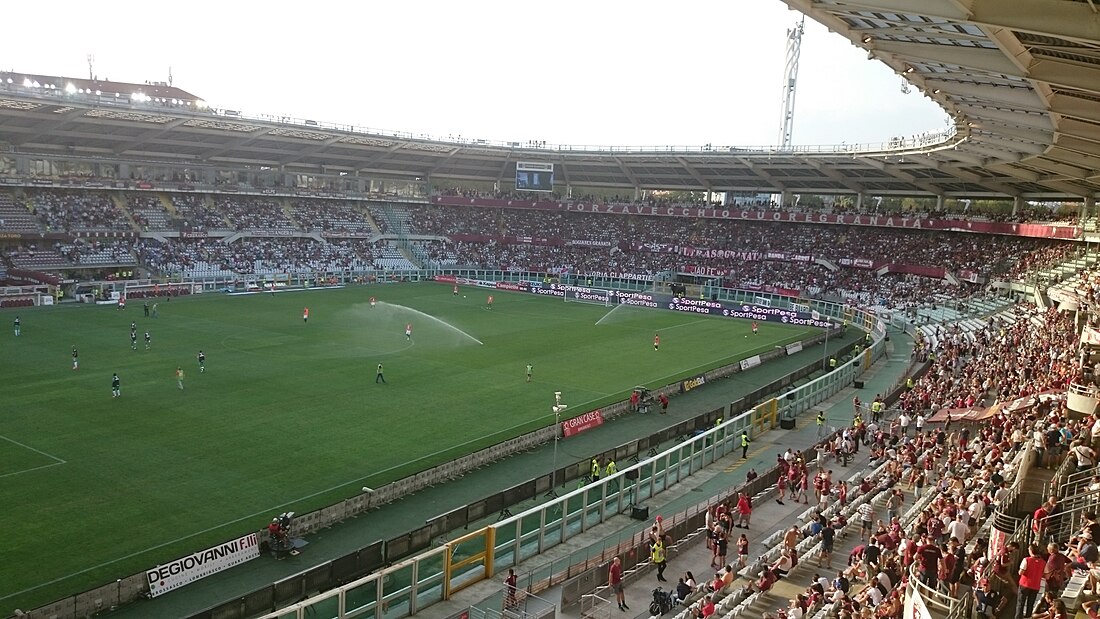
(534, 176)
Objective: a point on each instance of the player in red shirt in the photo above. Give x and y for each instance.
(409, 331)
(372, 301)
(454, 291)
(305, 315)
(489, 303)
(656, 341)
(755, 328)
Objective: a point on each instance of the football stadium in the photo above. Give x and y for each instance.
(265, 366)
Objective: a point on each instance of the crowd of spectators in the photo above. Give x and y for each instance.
(94, 252)
(957, 473)
(148, 212)
(259, 255)
(1003, 360)
(64, 211)
(248, 213)
(330, 216)
(649, 245)
(195, 214)
(562, 242)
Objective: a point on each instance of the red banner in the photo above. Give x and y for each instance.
(883, 221)
(587, 421)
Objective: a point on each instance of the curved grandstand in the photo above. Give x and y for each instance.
(946, 240)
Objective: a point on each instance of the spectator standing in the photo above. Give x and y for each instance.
(615, 581)
(510, 590)
(659, 558)
(1032, 568)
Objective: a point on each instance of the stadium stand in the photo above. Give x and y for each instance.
(81, 211)
(195, 213)
(14, 217)
(98, 253)
(331, 216)
(149, 212)
(245, 213)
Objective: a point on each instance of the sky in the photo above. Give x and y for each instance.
(624, 73)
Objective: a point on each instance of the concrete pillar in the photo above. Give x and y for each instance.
(569, 192)
(859, 202)
(1017, 202)
(786, 198)
(1088, 209)
(637, 193)
(939, 202)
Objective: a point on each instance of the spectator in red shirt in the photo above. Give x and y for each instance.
(744, 510)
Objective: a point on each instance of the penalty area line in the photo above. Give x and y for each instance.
(37, 451)
(36, 468)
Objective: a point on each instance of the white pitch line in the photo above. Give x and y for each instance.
(37, 468)
(683, 324)
(37, 451)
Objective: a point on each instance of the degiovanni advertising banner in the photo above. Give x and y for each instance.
(186, 570)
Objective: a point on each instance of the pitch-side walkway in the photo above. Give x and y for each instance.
(730, 471)
(398, 517)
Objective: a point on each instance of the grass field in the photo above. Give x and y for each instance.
(287, 414)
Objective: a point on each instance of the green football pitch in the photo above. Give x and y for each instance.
(288, 414)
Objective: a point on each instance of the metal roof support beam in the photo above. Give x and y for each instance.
(965, 175)
(628, 174)
(1067, 20)
(1018, 98)
(904, 176)
(1075, 107)
(311, 150)
(236, 143)
(762, 173)
(47, 126)
(847, 183)
(703, 183)
(148, 137)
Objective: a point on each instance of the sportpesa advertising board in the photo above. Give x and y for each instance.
(759, 313)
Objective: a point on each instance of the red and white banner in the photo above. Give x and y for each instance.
(184, 571)
(1090, 336)
(587, 421)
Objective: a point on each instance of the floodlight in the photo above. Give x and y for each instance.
(27, 82)
(69, 88)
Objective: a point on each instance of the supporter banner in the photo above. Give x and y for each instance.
(148, 185)
(751, 362)
(884, 221)
(692, 383)
(193, 234)
(587, 421)
(916, 269)
(915, 607)
(793, 348)
(970, 276)
(164, 578)
(588, 243)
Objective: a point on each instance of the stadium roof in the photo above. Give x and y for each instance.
(1020, 78)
